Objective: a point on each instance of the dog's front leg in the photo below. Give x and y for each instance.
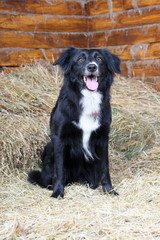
(58, 178)
(105, 177)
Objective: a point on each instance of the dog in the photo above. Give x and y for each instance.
(80, 123)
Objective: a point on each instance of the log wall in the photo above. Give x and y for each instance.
(41, 29)
(130, 29)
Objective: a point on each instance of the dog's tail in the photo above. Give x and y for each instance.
(43, 179)
(35, 177)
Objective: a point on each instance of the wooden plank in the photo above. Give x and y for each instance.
(147, 68)
(129, 70)
(141, 69)
(103, 6)
(72, 24)
(126, 19)
(51, 7)
(137, 18)
(17, 57)
(42, 23)
(130, 4)
(137, 51)
(100, 23)
(145, 34)
(42, 40)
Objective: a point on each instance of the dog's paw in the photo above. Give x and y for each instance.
(110, 190)
(58, 192)
(93, 186)
(113, 192)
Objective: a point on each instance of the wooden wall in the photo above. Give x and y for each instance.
(130, 29)
(36, 29)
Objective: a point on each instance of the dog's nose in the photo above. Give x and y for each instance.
(92, 67)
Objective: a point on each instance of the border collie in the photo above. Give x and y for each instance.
(80, 123)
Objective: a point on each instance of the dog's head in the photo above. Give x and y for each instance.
(90, 68)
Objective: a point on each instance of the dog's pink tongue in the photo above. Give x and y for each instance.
(91, 83)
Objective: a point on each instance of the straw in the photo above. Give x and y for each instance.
(28, 211)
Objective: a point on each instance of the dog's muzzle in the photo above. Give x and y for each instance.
(91, 77)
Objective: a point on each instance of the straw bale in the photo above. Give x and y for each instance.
(28, 212)
(136, 114)
(26, 99)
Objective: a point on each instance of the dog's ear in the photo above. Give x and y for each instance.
(113, 62)
(64, 59)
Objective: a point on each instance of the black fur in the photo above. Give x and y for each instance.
(63, 158)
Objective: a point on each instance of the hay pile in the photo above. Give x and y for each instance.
(26, 99)
(27, 211)
(136, 118)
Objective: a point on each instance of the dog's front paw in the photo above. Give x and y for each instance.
(113, 192)
(110, 190)
(58, 191)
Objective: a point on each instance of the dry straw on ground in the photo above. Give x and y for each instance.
(28, 212)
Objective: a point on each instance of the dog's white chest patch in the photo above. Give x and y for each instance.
(90, 118)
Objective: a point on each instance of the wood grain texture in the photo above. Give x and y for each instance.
(131, 70)
(51, 7)
(126, 19)
(137, 51)
(42, 23)
(146, 68)
(145, 34)
(105, 6)
(17, 57)
(142, 69)
(42, 40)
(129, 4)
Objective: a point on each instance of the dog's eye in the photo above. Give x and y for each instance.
(81, 60)
(99, 59)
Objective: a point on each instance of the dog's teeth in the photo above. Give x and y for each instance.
(96, 79)
(84, 78)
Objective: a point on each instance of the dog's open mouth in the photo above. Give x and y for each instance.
(91, 82)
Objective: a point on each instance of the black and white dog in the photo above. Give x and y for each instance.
(80, 123)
